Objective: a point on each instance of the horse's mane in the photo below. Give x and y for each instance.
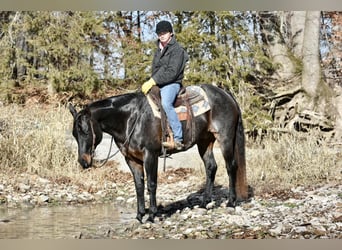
(117, 100)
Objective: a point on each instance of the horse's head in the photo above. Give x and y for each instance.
(87, 133)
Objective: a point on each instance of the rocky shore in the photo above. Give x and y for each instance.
(299, 213)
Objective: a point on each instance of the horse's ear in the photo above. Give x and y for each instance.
(87, 109)
(72, 110)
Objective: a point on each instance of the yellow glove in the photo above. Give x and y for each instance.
(145, 88)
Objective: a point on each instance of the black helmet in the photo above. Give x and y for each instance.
(163, 26)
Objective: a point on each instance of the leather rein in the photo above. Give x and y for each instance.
(109, 156)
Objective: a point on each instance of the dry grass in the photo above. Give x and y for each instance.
(291, 160)
(34, 140)
(37, 140)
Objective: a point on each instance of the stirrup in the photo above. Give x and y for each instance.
(173, 145)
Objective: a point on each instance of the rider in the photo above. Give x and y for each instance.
(167, 73)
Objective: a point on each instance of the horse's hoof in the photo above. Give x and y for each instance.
(150, 219)
(139, 218)
(204, 203)
(231, 204)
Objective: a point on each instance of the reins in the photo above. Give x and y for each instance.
(111, 143)
(109, 156)
(123, 145)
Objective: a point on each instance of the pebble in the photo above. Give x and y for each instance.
(43, 198)
(23, 187)
(314, 213)
(131, 200)
(120, 199)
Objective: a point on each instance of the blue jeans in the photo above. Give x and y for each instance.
(168, 95)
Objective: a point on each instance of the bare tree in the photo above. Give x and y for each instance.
(293, 41)
(297, 23)
(272, 25)
(311, 76)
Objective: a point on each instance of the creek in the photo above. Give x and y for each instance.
(61, 222)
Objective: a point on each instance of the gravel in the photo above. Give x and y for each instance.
(299, 213)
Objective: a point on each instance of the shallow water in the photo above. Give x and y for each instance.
(61, 222)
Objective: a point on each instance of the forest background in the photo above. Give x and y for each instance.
(284, 67)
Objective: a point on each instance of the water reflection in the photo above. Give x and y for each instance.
(60, 221)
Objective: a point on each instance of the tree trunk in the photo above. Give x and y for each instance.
(336, 54)
(315, 109)
(271, 32)
(297, 22)
(311, 75)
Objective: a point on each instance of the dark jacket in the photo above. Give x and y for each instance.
(168, 65)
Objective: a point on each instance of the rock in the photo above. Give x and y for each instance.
(43, 199)
(276, 230)
(238, 210)
(70, 198)
(99, 195)
(255, 213)
(23, 187)
(184, 216)
(131, 200)
(26, 198)
(120, 199)
(43, 180)
(146, 225)
(85, 196)
(200, 211)
(188, 231)
(167, 223)
(300, 229)
(230, 210)
(210, 205)
(314, 213)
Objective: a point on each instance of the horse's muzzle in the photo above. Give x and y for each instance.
(86, 161)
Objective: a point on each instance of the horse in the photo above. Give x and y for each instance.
(137, 132)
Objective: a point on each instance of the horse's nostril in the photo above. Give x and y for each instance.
(85, 166)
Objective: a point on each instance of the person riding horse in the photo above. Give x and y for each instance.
(130, 120)
(167, 73)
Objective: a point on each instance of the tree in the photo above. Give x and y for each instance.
(271, 61)
(332, 61)
(133, 57)
(56, 48)
(311, 75)
(273, 32)
(305, 102)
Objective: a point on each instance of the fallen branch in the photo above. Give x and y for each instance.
(288, 93)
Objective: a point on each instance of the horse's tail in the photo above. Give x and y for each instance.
(240, 158)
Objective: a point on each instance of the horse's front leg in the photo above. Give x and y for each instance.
(138, 175)
(205, 150)
(151, 167)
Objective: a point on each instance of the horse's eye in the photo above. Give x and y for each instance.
(83, 129)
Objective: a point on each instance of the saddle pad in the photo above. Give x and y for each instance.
(198, 108)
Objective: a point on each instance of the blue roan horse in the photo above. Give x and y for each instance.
(138, 134)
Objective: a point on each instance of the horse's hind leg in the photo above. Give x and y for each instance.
(205, 150)
(227, 149)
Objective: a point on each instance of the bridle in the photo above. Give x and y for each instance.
(94, 138)
(109, 156)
